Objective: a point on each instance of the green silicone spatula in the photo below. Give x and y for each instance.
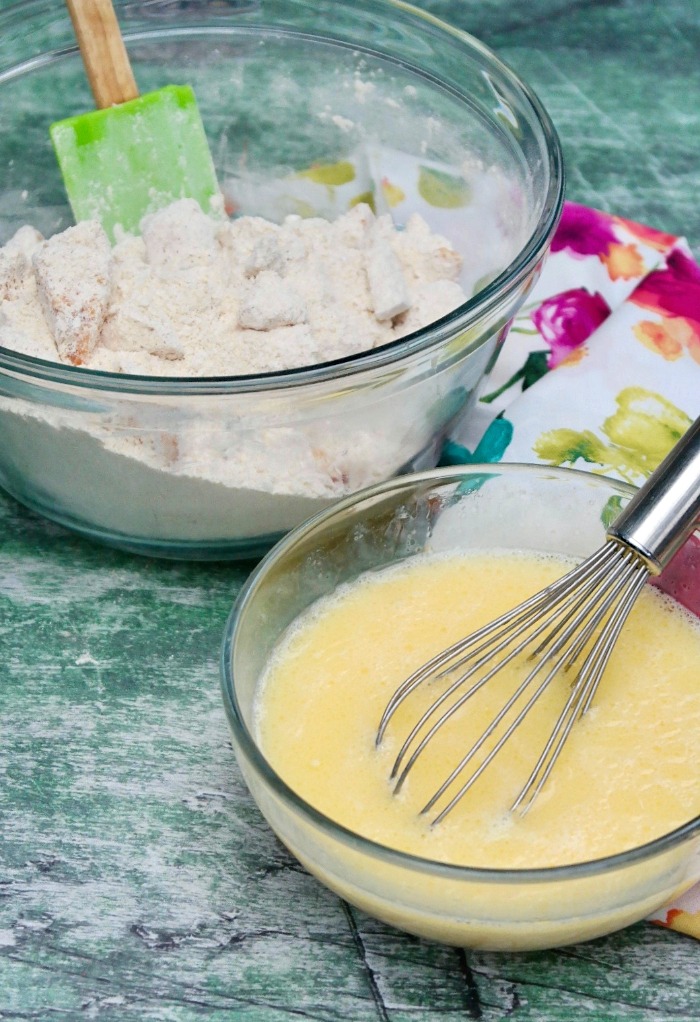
(134, 154)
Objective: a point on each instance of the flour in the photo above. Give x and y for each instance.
(195, 296)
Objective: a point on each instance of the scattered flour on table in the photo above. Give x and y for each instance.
(195, 296)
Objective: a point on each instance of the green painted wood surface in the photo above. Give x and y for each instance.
(137, 879)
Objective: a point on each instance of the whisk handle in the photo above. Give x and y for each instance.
(665, 510)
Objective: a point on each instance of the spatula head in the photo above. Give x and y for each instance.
(123, 162)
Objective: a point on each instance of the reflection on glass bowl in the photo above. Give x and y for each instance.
(416, 116)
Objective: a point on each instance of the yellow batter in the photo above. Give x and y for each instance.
(628, 773)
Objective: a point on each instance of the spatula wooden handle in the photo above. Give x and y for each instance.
(103, 51)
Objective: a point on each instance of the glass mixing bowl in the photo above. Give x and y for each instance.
(309, 108)
(518, 507)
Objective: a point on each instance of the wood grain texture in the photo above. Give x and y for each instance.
(104, 54)
(138, 880)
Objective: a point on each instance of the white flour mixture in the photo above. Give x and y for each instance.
(198, 296)
(195, 296)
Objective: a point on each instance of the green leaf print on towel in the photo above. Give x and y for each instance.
(534, 368)
(365, 197)
(611, 510)
(490, 448)
(640, 433)
(330, 174)
(446, 191)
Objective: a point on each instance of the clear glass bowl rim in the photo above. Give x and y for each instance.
(460, 319)
(348, 837)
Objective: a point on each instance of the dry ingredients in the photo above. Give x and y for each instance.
(196, 296)
(199, 296)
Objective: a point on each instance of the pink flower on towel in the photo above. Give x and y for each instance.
(672, 291)
(584, 231)
(568, 319)
(659, 240)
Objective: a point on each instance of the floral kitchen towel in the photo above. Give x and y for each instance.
(601, 371)
(616, 313)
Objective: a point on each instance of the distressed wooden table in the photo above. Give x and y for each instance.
(138, 880)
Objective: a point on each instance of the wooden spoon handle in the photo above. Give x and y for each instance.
(103, 51)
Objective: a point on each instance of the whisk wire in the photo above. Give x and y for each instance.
(629, 574)
(617, 577)
(578, 597)
(563, 662)
(561, 622)
(583, 691)
(523, 612)
(491, 648)
(473, 777)
(452, 709)
(605, 647)
(559, 626)
(570, 626)
(436, 662)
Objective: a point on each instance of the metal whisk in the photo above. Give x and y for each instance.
(573, 623)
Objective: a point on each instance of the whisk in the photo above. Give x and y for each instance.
(570, 625)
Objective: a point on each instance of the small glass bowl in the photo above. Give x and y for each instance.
(519, 507)
(221, 467)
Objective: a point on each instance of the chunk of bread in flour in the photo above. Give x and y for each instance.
(179, 238)
(13, 266)
(387, 284)
(268, 302)
(426, 256)
(431, 301)
(72, 272)
(15, 261)
(26, 240)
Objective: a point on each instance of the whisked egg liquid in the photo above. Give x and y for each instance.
(627, 774)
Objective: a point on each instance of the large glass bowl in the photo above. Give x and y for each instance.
(408, 114)
(517, 507)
